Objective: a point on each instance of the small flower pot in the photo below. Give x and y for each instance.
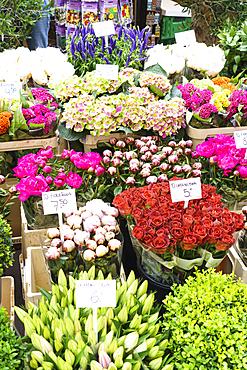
(36, 131)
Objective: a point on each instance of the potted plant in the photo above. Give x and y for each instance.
(6, 245)
(202, 317)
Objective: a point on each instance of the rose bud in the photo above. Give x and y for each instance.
(52, 253)
(101, 250)
(182, 144)
(74, 221)
(155, 160)
(162, 178)
(12, 190)
(172, 144)
(99, 238)
(117, 154)
(153, 148)
(109, 235)
(144, 157)
(144, 139)
(49, 180)
(172, 159)
(114, 244)
(68, 234)
(187, 151)
(179, 151)
(107, 153)
(152, 179)
(196, 173)
(91, 244)
(81, 237)
(145, 172)
(120, 144)
(130, 180)
(186, 168)
(106, 160)
(195, 155)
(236, 173)
(144, 149)
(167, 150)
(56, 243)
(129, 140)
(112, 171)
(89, 255)
(68, 246)
(213, 159)
(197, 166)
(109, 220)
(130, 155)
(139, 144)
(53, 233)
(177, 169)
(2, 179)
(189, 143)
(112, 140)
(116, 162)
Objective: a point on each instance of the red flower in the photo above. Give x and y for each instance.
(238, 221)
(189, 241)
(225, 243)
(146, 194)
(143, 223)
(200, 232)
(176, 224)
(162, 232)
(147, 212)
(147, 239)
(156, 221)
(175, 216)
(138, 232)
(187, 219)
(150, 230)
(151, 202)
(215, 233)
(177, 233)
(137, 214)
(216, 212)
(122, 204)
(160, 244)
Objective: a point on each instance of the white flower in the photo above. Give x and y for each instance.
(111, 211)
(68, 246)
(109, 235)
(89, 255)
(114, 244)
(109, 220)
(100, 230)
(52, 253)
(81, 237)
(101, 250)
(90, 223)
(74, 221)
(86, 214)
(99, 238)
(91, 244)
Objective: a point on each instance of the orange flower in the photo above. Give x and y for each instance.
(4, 121)
(224, 83)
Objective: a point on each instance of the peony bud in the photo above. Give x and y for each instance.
(186, 168)
(53, 233)
(195, 155)
(112, 140)
(130, 155)
(68, 234)
(91, 244)
(130, 180)
(52, 253)
(172, 144)
(236, 173)
(173, 159)
(106, 160)
(120, 144)
(156, 160)
(182, 144)
(153, 148)
(144, 149)
(145, 172)
(179, 151)
(151, 179)
(196, 173)
(107, 153)
(112, 170)
(129, 140)
(68, 246)
(118, 154)
(101, 250)
(2, 179)
(99, 238)
(49, 180)
(197, 166)
(189, 143)
(99, 170)
(89, 255)
(177, 169)
(56, 243)
(187, 151)
(164, 167)
(162, 178)
(114, 244)
(109, 235)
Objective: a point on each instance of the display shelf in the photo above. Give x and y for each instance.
(239, 268)
(8, 296)
(91, 142)
(28, 144)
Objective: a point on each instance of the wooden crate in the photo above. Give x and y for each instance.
(28, 144)
(8, 296)
(91, 142)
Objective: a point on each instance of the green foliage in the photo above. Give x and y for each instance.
(6, 246)
(16, 20)
(12, 351)
(207, 319)
(233, 38)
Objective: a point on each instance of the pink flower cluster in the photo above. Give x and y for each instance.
(221, 150)
(206, 110)
(149, 78)
(238, 99)
(39, 116)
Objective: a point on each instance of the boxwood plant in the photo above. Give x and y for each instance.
(206, 319)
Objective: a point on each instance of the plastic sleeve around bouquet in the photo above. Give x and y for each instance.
(110, 263)
(189, 264)
(34, 213)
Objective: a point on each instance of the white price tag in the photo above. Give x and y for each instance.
(10, 90)
(185, 38)
(105, 28)
(186, 189)
(95, 293)
(59, 201)
(240, 139)
(107, 71)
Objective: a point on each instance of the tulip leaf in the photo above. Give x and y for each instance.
(44, 292)
(156, 68)
(79, 356)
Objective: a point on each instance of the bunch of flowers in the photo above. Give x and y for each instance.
(40, 116)
(41, 96)
(171, 232)
(224, 165)
(126, 49)
(147, 79)
(61, 336)
(237, 110)
(224, 83)
(91, 237)
(4, 121)
(220, 100)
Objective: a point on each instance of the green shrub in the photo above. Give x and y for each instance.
(12, 351)
(206, 319)
(6, 245)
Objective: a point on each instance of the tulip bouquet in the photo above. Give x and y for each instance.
(126, 49)
(166, 236)
(224, 166)
(91, 237)
(61, 336)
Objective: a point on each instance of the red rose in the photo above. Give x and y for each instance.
(175, 216)
(162, 232)
(138, 232)
(238, 221)
(122, 204)
(165, 189)
(176, 224)
(150, 230)
(143, 223)
(225, 242)
(156, 221)
(190, 211)
(227, 219)
(147, 239)
(187, 219)
(215, 233)
(216, 212)
(200, 232)
(137, 214)
(160, 244)
(229, 229)
(189, 241)
(147, 194)
(135, 202)
(207, 223)
(147, 212)
(151, 202)
(177, 233)
(209, 188)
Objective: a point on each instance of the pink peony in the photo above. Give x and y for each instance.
(227, 162)
(242, 171)
(68, 246)
(205, 149)
(65, 154)
(25, 169)
(109, 220)
(177, 169)
(52, 253)
(162, 178)
(60, 179)
(99, 170)
(107, 153)
(47, 153)
(32, 185)
(74, 180)
(49, 180)
(81, 237)
(90, 223)
(47, 169)
(114, 244)
(112, 171)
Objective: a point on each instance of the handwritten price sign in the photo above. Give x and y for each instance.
(10, 90)
(59, 201)
(185, 38)
(104, 28)
(185, 190)
(240, 139)
(107, 71)
(95, 293)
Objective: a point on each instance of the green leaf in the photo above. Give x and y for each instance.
(127, 130)
(175, 92)
(18, 122)
(196, 115)
(23, 101)
(234, 68)
(245, 28)
(156, 90)
(237, 59)
(4, 108)
(156, 68)
(118, 189)
(44, 292)
(68, 134)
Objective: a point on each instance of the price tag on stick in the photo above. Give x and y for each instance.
(185, 190)
(107, 71)
(95, 293)
(105, 28)
(10, 90)
(240, 139)
(185, 38)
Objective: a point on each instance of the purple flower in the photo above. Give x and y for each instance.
(28, 113)
(73, 180)
(32, 185)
